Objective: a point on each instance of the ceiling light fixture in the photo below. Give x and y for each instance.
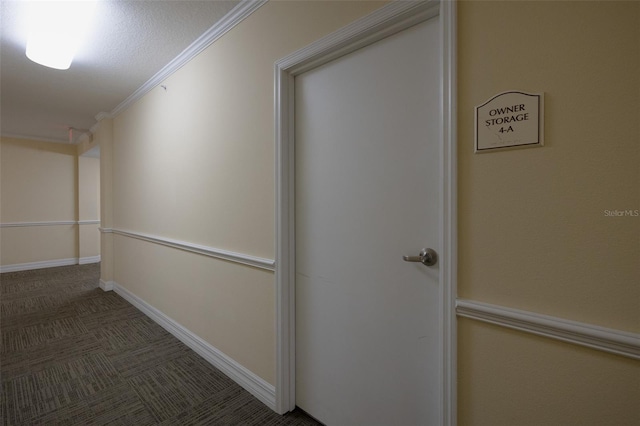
(56, 29)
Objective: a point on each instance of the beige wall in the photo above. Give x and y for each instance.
(196, 163)
(38, 181)
(103, 137)
(88, 188)
(510, 378)
(37, 184)
(533, 233)
(89, 206)
(33, 244)
(47, 182)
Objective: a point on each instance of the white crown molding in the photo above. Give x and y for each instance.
(85, 137)
(579, 333)
(34, 138)
(38, 265)
(244, 259)
(99, 117)
(220, 28)
(255, 385)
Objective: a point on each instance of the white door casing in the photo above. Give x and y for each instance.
(388, 20)
(366, 173)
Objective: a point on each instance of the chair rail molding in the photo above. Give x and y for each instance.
(49, 223)
(39, 223)
(241, 258)
(579, 333)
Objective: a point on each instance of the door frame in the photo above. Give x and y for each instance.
(382, 23)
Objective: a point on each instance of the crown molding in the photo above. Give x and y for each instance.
(220, 28)
(99, 117)
(34, 138)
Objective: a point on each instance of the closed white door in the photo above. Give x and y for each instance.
(367, 170)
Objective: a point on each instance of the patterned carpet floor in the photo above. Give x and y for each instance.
(73, 354)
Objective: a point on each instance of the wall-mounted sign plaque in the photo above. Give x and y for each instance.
(510, 119)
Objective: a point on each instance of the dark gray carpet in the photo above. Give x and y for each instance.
(74, 355)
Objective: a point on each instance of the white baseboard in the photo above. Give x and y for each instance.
(106, 285)
(90, 259)
(38, 265)
(49, 264)
(255, 385)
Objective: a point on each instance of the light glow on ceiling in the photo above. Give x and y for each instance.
(56, 29)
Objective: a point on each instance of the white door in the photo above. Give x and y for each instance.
(367, 170)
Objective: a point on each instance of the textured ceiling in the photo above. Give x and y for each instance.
(129, 42)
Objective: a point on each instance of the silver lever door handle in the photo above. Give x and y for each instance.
(428, 257)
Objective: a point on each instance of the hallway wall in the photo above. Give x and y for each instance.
(88, 207)
(37, 204)
(49, 201)
(534, 233)
(195, 163)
